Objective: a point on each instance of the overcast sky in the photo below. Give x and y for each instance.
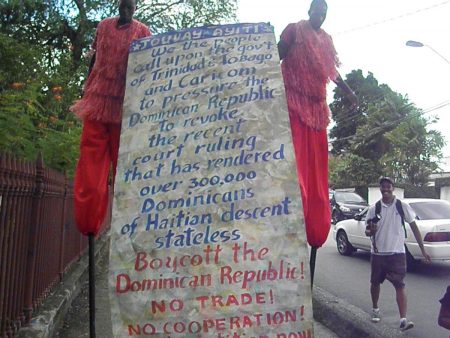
(371, 35)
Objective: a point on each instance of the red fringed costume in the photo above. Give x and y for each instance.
(309, 65)
(101, 111)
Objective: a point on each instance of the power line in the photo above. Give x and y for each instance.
(395, 18)
(355, 111)
(350, 117)
(399, 120)
(436, 107)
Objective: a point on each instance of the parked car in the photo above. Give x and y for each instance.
(345, 205)
(433, 221)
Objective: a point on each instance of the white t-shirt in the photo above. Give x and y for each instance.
(390, 236)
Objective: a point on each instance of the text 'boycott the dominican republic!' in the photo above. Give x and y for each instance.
(208, 235)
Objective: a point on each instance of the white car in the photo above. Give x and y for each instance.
(433, 221)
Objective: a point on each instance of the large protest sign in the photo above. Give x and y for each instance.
(208, 235)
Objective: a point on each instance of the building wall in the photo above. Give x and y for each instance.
(445, 193)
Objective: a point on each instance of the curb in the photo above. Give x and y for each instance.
(347, 320)
(48, 318)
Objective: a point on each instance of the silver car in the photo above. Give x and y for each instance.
(433, 221)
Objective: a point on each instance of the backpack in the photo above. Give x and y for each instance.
(398, 205)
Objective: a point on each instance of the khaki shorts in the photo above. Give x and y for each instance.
(390, 267)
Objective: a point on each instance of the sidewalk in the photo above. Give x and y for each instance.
(66, 313)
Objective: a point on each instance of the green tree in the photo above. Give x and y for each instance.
(414, 150)
(42, 68)
(70, 24)
(347, 120)
(387, 133)
(350, 170)
(31, 114)
(163, 15)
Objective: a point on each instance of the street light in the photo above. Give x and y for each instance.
(411, 43)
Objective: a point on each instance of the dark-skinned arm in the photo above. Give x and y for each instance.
(283, 49)
(90, 54)
(419, 240)
(348, 91)
(91, 64)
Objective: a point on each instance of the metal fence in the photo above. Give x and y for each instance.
(38, 237)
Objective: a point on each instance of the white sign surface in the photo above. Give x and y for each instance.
(208, 235)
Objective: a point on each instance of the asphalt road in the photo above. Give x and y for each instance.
(348, 278)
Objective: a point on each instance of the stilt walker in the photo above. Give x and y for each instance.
(100, 108)
(309, 62)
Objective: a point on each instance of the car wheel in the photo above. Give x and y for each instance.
(411, 262)
(343, 245)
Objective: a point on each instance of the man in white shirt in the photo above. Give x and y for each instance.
(388, 259)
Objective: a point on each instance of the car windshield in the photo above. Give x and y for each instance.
(431, 210)
(348, 197)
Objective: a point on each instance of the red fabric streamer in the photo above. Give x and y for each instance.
(311, 152)
(105, 88)
(99, 149)
(309, 65)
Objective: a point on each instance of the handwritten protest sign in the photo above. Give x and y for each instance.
(208, 236)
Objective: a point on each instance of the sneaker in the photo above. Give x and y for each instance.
(405, 324)
(376, 315)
